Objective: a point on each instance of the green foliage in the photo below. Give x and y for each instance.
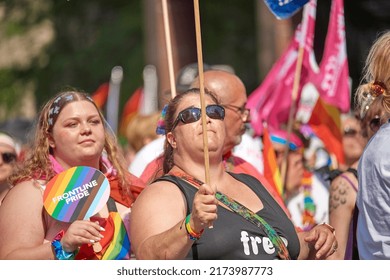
(228, 37)
(93, 36)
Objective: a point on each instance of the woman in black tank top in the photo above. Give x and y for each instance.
(230, 217)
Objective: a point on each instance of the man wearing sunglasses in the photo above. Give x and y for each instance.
(231, 92)
(8, 157)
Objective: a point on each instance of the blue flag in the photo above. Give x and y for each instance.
(283, 9)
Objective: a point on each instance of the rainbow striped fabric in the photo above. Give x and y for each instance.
(325, 121)
(271, 169)
(119, 248)
(115, 245)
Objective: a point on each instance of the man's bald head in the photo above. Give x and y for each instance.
(231, 92)
(226, 86)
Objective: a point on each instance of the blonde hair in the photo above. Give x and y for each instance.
(38, 165)
(141, 129)
(376, 75)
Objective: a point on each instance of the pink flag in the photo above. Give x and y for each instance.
(332, 82)
(271, 101)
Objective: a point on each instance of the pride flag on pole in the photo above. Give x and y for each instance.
(332, 81)
(283, 9)
(271, 169)
(131, 109)
(272, 100)
(325, 121)
(100, 95)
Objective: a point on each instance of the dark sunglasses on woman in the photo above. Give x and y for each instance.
(193, 114)
(8, 157)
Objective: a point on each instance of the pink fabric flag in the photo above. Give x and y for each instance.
(271, 101)
(332, 81)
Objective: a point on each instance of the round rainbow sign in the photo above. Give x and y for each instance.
(76, 194)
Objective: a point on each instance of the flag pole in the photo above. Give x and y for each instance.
(294, 94)
(168, 44)
(202, 98)
(201, 87)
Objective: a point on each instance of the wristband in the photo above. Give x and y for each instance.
(191, 233)
(59, 251)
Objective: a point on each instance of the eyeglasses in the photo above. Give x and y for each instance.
(8, 157)
(375, 123)
(242, 110)
(192, 114)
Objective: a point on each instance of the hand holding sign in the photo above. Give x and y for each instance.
(76, 194)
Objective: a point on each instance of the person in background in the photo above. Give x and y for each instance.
(179, 207)
(343, 188)
(353, 142)
(8, 158)
(305, 192)
(71, 131)
(373, 197)
(139, 132)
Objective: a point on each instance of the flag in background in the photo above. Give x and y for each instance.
(131, 108)
(272, 100)
(100, 95)
(325, 121)
(271, 169)
(283, 9)
(332, 81)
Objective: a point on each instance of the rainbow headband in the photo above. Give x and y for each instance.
(280, 140)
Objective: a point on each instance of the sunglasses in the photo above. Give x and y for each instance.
(350, 132)
(192, 114)
(375, 123)
(8, 157)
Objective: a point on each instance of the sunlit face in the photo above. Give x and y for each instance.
(235, 123)
(78, 135)
(235, 116)
(353, 142)
(187, 138)
(231, 92)
(6, 167)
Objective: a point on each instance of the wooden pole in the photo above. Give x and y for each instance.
(294, 94)
(168, 44)
(201, 87)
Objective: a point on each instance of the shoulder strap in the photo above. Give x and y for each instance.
(111, 205)
(353, 171)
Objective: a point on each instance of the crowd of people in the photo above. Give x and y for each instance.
(169, 201)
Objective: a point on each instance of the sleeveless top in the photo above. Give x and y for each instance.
(351, 250)
(232, 237)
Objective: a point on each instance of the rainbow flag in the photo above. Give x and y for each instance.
(131, 108)
(119, 248)
(115, 245)
(100, 95)
(271, 169)
(326, 123)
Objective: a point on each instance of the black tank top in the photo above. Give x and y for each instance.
(234, 238)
